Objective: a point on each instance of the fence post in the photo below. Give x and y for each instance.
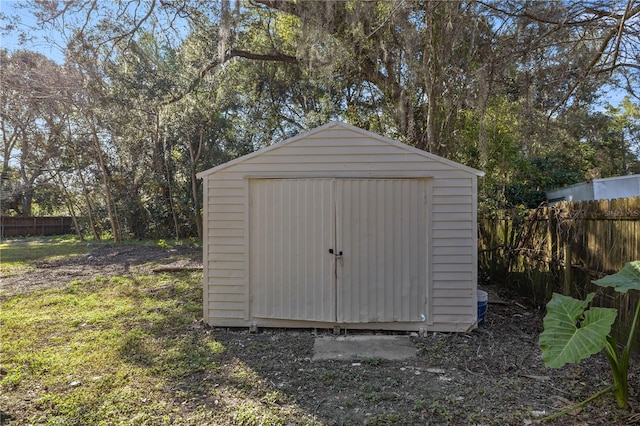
(568, 272)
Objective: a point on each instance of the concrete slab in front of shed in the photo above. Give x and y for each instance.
(363, 347)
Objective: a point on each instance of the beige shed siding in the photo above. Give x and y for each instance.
(291, 222)
(454, 250)
(224, 250)
(382, 231)
(344, 153)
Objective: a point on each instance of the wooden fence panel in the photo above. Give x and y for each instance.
(562, 248)
(14, 226)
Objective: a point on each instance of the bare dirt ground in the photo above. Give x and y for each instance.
(493, 375)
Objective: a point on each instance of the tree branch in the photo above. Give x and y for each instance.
(273, 57)
(617, 30)
(286, 6)
(233, 53)
(545, 20)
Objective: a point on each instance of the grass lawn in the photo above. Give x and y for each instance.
(19, 254)
(120, 350)
(122, 345)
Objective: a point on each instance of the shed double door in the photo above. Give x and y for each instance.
(338, 250)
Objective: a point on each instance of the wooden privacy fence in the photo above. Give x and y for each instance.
(14, 226)
(562, 248)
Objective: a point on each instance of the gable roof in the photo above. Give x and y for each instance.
(334, 125)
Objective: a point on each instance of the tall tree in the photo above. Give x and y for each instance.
(622, 139)
(32, 119)
(170, 88)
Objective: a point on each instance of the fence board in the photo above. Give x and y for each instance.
(562, 248)
(14, 226)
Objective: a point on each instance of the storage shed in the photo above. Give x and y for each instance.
(340, 227)
(598, 189)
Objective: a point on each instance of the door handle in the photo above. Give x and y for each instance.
(338, 256)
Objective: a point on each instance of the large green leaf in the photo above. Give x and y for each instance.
(572, 332)
(627, 278)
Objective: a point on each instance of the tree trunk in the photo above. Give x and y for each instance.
(485, 82)
(115, 227)
(195, 156)
(27, 201)
(165, 150)
(69, 202)
(85, 193)
(625, 168)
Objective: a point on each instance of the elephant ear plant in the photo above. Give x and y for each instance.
(574, 331)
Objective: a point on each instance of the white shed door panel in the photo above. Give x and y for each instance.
(379, 226)
(381, 231)
(291, 229)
